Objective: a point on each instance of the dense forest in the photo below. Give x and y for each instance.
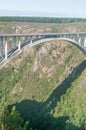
(42, 19)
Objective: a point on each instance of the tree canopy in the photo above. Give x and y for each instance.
(41, 19)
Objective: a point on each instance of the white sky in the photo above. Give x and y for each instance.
(57, 8)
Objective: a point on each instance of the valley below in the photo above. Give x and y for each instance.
(44, 87)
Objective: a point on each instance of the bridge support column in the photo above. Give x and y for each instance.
(85, 43)
(74, 37)
(80, 40)
(5, 47)
(30, 40)
(14, 42)
(19, 43)
(26, 39)
(2, 47)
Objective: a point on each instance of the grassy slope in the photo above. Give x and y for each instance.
(36, 94)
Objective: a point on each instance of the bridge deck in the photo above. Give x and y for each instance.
(42, 34)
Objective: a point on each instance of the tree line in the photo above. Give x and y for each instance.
(40, 19)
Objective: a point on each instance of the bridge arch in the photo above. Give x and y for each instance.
(59, 39)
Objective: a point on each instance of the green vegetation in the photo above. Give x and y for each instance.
(42, 19)
(44, 88)
(13, 120)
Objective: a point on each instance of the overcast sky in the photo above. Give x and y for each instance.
(53, 8)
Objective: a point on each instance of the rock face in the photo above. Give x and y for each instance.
(49, 57)
(41, 54)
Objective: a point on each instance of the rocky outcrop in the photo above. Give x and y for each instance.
(49, 56)
(40, 55)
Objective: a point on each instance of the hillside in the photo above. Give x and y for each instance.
(46, 83)
(20, 27)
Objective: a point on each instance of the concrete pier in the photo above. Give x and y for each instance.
(30, 40)
(80, 39)
(5, 47)
(2, 47)
(14, 42)
(74, 37)
(19, 43)
(26, 39)
(85, 42)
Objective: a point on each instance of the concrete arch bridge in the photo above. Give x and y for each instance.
(12, 43)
